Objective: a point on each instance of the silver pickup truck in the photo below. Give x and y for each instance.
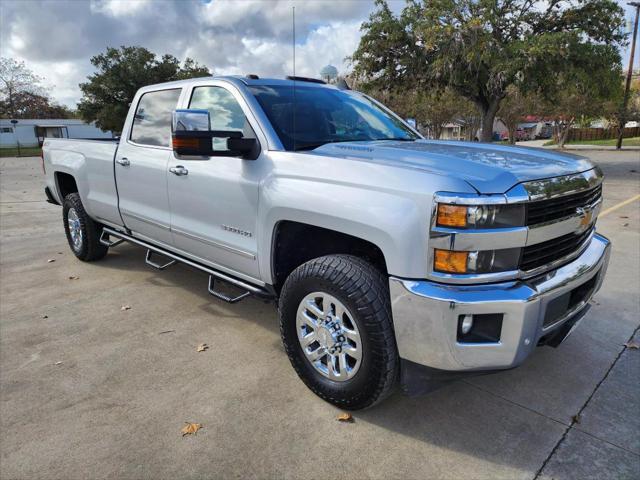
(392, 259)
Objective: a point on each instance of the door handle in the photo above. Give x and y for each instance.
(124, 161)
(179, 170)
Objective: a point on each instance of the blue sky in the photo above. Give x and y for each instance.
(56, 38)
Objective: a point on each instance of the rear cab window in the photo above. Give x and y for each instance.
(152, 118)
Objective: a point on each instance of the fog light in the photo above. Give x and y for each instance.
(450, 262)
(467, 323)
(479, 328)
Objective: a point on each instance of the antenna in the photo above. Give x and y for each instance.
(295, 105)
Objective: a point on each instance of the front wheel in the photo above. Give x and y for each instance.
(83, 234)
(336, 325)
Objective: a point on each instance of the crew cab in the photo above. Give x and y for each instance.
(392, 259)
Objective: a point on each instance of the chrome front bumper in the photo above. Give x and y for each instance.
(425, 314)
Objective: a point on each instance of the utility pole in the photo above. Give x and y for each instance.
(627, 87)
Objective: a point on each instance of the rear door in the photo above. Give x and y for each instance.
(141, 166)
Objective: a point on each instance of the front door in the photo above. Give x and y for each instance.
(214, 201)
(142, 167)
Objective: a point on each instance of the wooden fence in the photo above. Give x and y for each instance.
(601, 133)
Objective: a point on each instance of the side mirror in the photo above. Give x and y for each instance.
(247, 148)
(191, 134)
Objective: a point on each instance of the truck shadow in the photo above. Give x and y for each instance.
(130, 257)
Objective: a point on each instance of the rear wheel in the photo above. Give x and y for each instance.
(335, 320)
(83, 234)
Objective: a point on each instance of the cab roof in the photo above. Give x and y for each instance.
(249, 80)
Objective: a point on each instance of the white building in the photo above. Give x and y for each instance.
(31, 132)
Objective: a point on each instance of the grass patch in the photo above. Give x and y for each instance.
(22, 152)
(610, 142)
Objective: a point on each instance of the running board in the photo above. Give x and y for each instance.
(248, 288)
(147, 260)
(222, 296)
(105, 240)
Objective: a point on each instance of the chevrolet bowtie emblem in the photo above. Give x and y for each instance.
(585, 216)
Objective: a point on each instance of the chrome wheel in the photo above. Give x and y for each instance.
(75, 230)
(329, 336)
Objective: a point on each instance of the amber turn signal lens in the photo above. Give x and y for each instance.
(452, 215)
(185, 142)
(449, 261)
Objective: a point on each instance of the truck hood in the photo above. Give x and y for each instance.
(486, 167)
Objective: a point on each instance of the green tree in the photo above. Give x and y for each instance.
(432, 109)
(481, 47)
(120, 73)
(515, 107)
(632, 114)
(32, 105)
(583, 92)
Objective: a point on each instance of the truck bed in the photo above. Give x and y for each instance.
(90, 164)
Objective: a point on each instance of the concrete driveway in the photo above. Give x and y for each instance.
(89, 390)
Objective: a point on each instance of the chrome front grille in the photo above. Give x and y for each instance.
(544, 211)
(546, 253)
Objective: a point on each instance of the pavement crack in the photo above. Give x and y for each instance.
(607, 441)
(508, 400)
(584, 405)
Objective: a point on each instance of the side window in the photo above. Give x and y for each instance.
(224, 110)
(152, 120)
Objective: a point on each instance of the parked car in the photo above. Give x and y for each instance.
(520, 134)
(391, 258)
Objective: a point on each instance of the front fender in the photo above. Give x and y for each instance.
(395, 223)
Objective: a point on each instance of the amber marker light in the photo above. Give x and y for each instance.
(185, 142)
(449, 261)
(451, 215)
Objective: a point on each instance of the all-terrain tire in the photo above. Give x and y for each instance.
(88, 248)
(364, 291)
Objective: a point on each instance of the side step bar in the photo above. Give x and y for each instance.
(248, 288)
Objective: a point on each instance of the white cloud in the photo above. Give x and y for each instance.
(57, 39)
(119, 8)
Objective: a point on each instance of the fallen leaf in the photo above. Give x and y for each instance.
(632, 345)
(51, 260)
(45, 316)
(202, 347)
(58, 363)
(576, 419)
(625, 225)
(59, 253)
(125, 307)
(166, 331)
(73, 277)
(345, 417)
(190, 428)
(633, 171)
(624, 216)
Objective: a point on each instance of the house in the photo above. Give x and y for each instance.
(31, 132)
(459, 130)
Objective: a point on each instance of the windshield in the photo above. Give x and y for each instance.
(324, 115)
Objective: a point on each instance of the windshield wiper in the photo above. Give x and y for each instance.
(403, 139)
(313, 146)
(309, 146)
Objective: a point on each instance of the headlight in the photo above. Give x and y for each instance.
(480, 216)
(486, 261)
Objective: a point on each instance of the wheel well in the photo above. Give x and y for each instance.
(66, 184)
(296, 243)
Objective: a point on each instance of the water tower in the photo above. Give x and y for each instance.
(329, 74)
